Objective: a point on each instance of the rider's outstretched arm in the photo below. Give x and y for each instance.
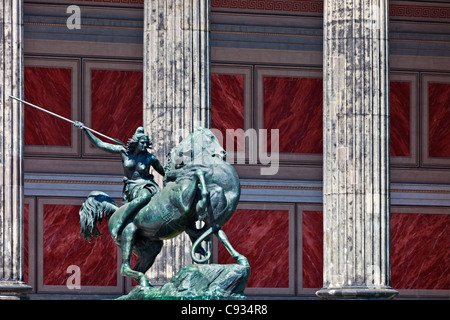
(108, 147)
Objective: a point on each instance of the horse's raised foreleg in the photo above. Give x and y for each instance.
(127, 243)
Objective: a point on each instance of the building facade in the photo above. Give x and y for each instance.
(84, 60)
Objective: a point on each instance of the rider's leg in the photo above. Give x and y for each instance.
(133, 208)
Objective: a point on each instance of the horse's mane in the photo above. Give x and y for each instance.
(185, 172)
(188, 154)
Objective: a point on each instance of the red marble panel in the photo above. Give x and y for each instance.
(49, 88)
(400, 101)
(26, 213)
(439, 119)
(312, 250)
(63, 247)
(227, 104)
(420, 251)
(134, 260)
(263, 237)
(294, 107)
(116, 102)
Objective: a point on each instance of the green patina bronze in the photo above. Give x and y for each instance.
(199, 282)
(199, 185)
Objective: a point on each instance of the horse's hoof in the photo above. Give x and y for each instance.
(242, 260)
(144, 282)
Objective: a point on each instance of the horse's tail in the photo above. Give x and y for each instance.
(241, 260)
(97, 206)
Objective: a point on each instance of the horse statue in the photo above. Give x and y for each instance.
(199, 185)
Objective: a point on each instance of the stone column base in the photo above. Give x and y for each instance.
(359, 292)
(14, 290)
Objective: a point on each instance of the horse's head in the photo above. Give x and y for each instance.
(200, 147)
(206, 146)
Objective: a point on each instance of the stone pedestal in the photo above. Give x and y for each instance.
(356, 150)
(176, 91)
(199, 282)
(11, 152)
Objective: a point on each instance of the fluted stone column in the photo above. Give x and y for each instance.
(176, 91)
(12, 285)
(356, 150)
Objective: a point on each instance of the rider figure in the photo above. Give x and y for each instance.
(139, 186)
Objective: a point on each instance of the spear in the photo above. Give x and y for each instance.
(68, 120)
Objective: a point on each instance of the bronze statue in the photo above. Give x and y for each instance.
(199, 186)
(139, 186)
